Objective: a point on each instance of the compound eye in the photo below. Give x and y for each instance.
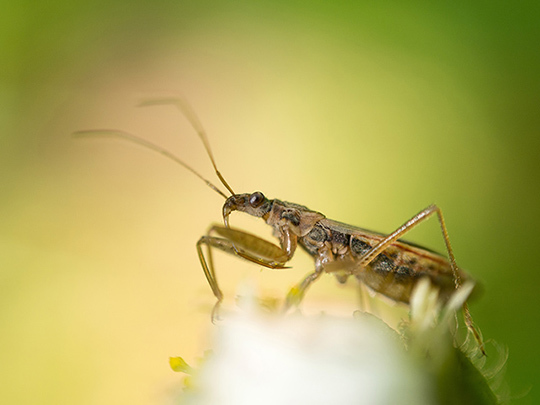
(256, 199)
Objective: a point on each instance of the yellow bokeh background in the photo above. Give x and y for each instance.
(367, 112)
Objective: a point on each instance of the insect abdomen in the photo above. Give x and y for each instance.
(395, 271)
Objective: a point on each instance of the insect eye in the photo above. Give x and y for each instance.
(256, 199)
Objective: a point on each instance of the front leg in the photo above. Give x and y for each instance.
(240, 243)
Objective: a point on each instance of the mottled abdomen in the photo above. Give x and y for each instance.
(395, 272)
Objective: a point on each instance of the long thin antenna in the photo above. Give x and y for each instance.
(143, 142)
(190, 115)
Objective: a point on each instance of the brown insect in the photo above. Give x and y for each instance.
(384, 263)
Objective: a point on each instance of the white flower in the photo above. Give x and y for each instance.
(293, 359)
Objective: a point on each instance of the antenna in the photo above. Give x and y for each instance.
(190, 115)
(111, 133)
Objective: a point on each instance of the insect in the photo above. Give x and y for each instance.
(384, 263)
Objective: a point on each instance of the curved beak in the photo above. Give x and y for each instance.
(228, 207)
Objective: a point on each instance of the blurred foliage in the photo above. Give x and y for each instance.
(366, 111)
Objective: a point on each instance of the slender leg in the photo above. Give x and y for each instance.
(296, 294)
(407, 226)
(209, 270)
(470, 325)
(365, 302)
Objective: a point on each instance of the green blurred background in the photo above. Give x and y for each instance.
(365, 111)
